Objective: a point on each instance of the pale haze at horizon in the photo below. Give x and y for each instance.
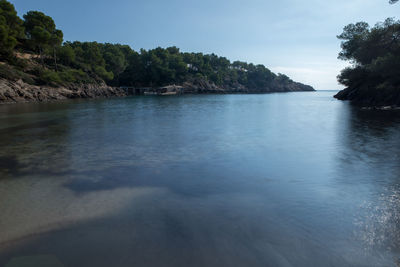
(294, 37)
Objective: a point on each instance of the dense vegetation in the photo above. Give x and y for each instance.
(58, 62)
(374, 77)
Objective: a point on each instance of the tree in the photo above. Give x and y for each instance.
(115, 59)
(11, 28)
(67, 54)
(362, 45)
(41, 33)
(134, 73)
(353, 37)
(56, 40)
(375, 54)
(89, 58)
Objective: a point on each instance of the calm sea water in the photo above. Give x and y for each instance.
(296, 179)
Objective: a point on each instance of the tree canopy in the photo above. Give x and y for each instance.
(375, 56)
(41, 32)
(11, 28)
(117, 64)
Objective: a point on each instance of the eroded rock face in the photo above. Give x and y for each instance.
(18, 91)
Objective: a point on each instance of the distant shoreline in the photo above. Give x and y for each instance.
(20, 92)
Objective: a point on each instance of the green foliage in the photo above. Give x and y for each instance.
(104, 61)
(11, 28)
(103, 73)
(115, 58)
(66, 55)
(118, 64)
(375, 54)
(56, 38)
(50, 77)
(63, 77)
(283, 78)
(14, 74)
(41, 32)
(167, 66)
(74, 76)
(353, 36)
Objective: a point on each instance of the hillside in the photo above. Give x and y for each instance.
(35, 58)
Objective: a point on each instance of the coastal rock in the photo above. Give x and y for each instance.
(371, 97)
(19, 91)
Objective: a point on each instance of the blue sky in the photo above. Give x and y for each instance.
(294, 37)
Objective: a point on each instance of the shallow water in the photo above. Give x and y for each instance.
(296, 179)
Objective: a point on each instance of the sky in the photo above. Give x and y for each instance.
(294, 37)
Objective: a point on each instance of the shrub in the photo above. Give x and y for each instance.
(10, 73)
(50, 77)
(74, 75)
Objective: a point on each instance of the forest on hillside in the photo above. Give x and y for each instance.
(35, 38)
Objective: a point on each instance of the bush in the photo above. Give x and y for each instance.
(10, 73)
(50, 77)
(7, 72)
(67, 76)
(74, 75)
(108, 76)
(19, 63)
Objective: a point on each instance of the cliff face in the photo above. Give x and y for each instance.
(18, 91)
(371, 96)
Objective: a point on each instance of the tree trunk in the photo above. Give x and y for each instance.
(55, 58)
(41, 57)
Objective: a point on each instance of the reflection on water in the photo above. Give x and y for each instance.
(373, 139)
(380, 226)
(295, 179)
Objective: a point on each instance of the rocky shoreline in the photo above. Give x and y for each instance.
(21, 92)
(372, 98)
